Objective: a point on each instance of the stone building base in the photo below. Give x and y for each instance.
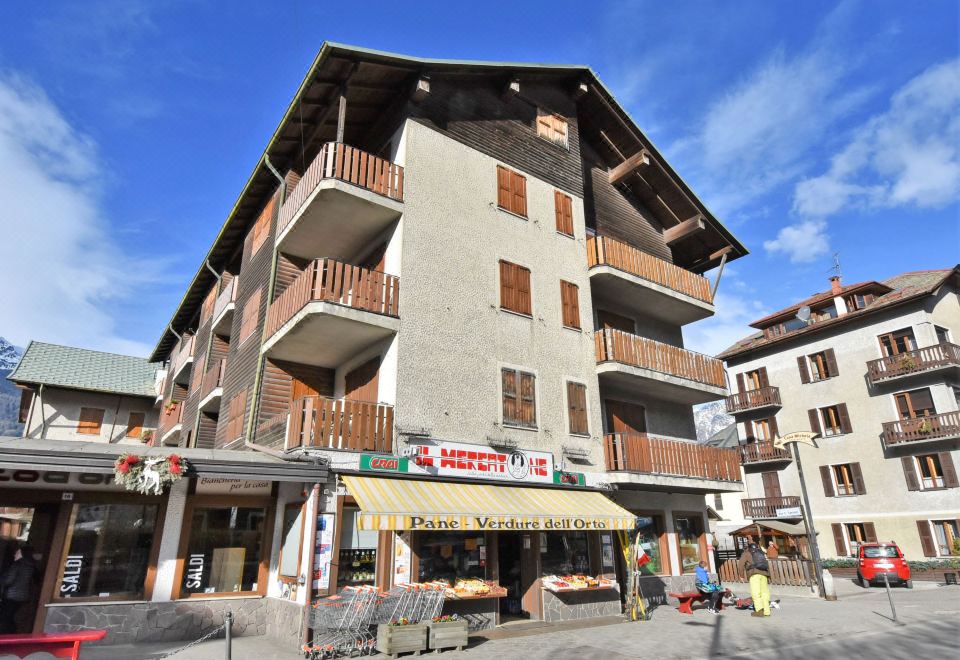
(574, 605)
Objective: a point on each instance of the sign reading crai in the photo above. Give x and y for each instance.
(453, 459)
(217, 486)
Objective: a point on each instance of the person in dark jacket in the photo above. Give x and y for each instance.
(754, 563)
(16, 586)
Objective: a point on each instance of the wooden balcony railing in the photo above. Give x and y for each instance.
(326, 280)
(619, 346)
(181, 353)
(760, 452)
(339, 161)
(766, 507)
(751, 399)
(170, 415)
(638, 452)
(213, 378)
(605, 251)
(227, 296)
(318, 422)
(916, 361)
(934, 427)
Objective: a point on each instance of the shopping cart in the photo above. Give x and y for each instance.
(341, 623)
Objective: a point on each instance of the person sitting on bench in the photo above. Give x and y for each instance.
(705, 585)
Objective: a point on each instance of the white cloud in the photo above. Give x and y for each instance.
(729, 324)
(62, 273)
(803, 242)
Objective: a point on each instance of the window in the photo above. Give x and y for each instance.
(511, 191)
(818, 366)
(717, 502)
(449, 556)
(771, 484)
(552, 127)
(943, 334)
(570, 304)
(135, 424)
(848, 479)
(358, 552)
(564, 210)
(108, 551)
(515, 288)
(946, 536)
(929, 471)
(91, 420)
(831, 420)
(563, 553)
(824, 313)
(848, 536)
(650, 532)
(915, 403)
(225, 549)
(760, 430)
(291, 539)
(261, 228)
(250, 315)
(754, 380)
(894, 343)
(859, 301)
(577, 408)
(519, 398)
(689, 529)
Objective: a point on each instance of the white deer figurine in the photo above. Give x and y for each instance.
(150, 477)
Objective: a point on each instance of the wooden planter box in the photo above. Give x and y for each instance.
(448, 634)
(401, 639)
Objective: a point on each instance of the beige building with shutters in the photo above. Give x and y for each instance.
(874, 369)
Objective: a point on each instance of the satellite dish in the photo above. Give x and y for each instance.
(804, 314)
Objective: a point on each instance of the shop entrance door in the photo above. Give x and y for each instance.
(29, 527)
(509, 547)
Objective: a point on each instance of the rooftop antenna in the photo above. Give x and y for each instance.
(836, 264)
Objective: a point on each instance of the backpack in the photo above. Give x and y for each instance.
(758, 560)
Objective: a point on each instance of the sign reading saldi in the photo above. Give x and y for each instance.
(453, 459)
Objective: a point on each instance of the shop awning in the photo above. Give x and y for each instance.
(426, 505)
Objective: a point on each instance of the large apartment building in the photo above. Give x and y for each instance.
(874, 369)
(461, 287)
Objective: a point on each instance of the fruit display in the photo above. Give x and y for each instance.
(474, 588)
(574, 582)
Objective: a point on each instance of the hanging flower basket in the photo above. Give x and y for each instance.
(148, 475)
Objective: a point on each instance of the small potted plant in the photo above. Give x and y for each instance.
(907, 363)
(401, 636)
(448, 631)
(925, 427)
(147, 438)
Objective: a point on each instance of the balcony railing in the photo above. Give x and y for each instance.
(213, 378)
(318, 422)
(170, 415)
(935, 427)
(326, 280)
(619, 346)
(605, 251)
(227, 296)
(182, 353)
(762, 452)
(752, 399)
(638, 452)
(767, 507)
(916, 361)
(339, 161)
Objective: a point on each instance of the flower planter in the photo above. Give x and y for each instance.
(448, 634)
(401, 639)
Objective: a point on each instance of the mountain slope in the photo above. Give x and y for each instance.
(9, 394)
(710, 418)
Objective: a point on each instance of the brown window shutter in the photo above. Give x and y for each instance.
(564, 211)
(135, 424)
(949, 471)
(845, 426)
(507, 296)
(519, 185)
(528, 402)
(570, 304)
(774, 429)
(741, 386)
(577, 408)
(509, 387)
(251, 313)
(90, 422)
(870, 531)
(859, 486)
(838, 539)
(764, 380)
(524, 302)
(804, 371)
(926, 538)
(910, 472)
(771, 484)
(814, 416)
(832, 369)
(825, 477)
(504, 194)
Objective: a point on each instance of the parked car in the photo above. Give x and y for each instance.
(877, 559)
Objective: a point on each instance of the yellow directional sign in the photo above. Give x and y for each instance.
(797, 436)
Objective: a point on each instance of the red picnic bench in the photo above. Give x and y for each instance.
(59, 645)
(688, 598)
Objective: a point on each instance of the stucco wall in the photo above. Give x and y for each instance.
(61, 411)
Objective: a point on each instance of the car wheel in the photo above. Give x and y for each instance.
(864, 582)
(908, 584)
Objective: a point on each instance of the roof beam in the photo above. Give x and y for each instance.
(688, 227)
(629, 166)
(511, 89)
(421, 90)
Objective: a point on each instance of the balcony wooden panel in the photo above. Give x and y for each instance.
(764, 397)
(318, 422)
(171, 419)
(763, 452)
(766, 507)
(605, 251)
(182, 358)
(224, 307)
(638, 452)
(211, 387)
(945, 426)
(929, 358)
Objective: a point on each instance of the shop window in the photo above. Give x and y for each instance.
(91, 420)
(108, 551)
(564, 553)
(291, 539)
(451, 556)
(650, 534)
(689, 530)
(358, 551)
(225, 548)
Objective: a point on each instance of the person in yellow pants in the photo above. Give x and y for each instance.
(754, 564)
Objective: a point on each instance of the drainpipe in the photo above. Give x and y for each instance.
(215, 273)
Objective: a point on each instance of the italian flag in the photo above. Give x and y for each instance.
(642, 557)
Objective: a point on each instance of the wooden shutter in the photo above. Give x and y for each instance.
(509, 388)
(845, 426)
(825, 477)
(135, 424)
(261, 228)
(771, 484)
(570, 304)
(764, 380)
(870, 531)
(949, 472)
(251, 313)
(814, 416)
(519, 185)
(528, 401)
(741, 384)
(625, 417)
(832, 369)
(91, 420)
(910, 472)
(564, 212)
(774, 429)
(515, 288)
(236, 415)
(504, 195)
(511, 191)
(838, 539)
(926, 538)
(207, 307)
(859, 487)
(361, 384)
(577, 408)
(804, 371)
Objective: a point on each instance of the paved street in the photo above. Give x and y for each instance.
(858, 625)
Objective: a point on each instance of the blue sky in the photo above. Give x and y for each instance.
(127, 130)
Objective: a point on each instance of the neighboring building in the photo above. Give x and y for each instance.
(874, 369)
(461, 286)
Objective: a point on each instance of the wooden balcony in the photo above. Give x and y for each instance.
(211, 387)
(181, 361)
(345, 199)
(764, 397)
(640, 453)
(945, 426)
(224, 307)
(170, 423)
(330, 312)
(666, 372)
(318, 422)
(640, 282)
(921, 360)
(772, 507)
(763, 452)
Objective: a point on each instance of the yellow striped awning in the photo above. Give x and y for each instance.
(424, 505)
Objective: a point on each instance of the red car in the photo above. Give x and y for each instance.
(875, 559)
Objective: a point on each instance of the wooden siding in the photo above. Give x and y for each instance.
(327, 423)
(276, 394)
(783, 572)
(766, 507)
(638, 452)
(635, 351)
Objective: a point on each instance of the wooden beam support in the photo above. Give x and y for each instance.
(342, 115)
(686, 228)
(511, 89)
(629, 166)
(580, 90)
(421, 90)
(719, 253)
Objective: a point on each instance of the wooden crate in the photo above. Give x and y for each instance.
(448, 634)
(401, 639)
